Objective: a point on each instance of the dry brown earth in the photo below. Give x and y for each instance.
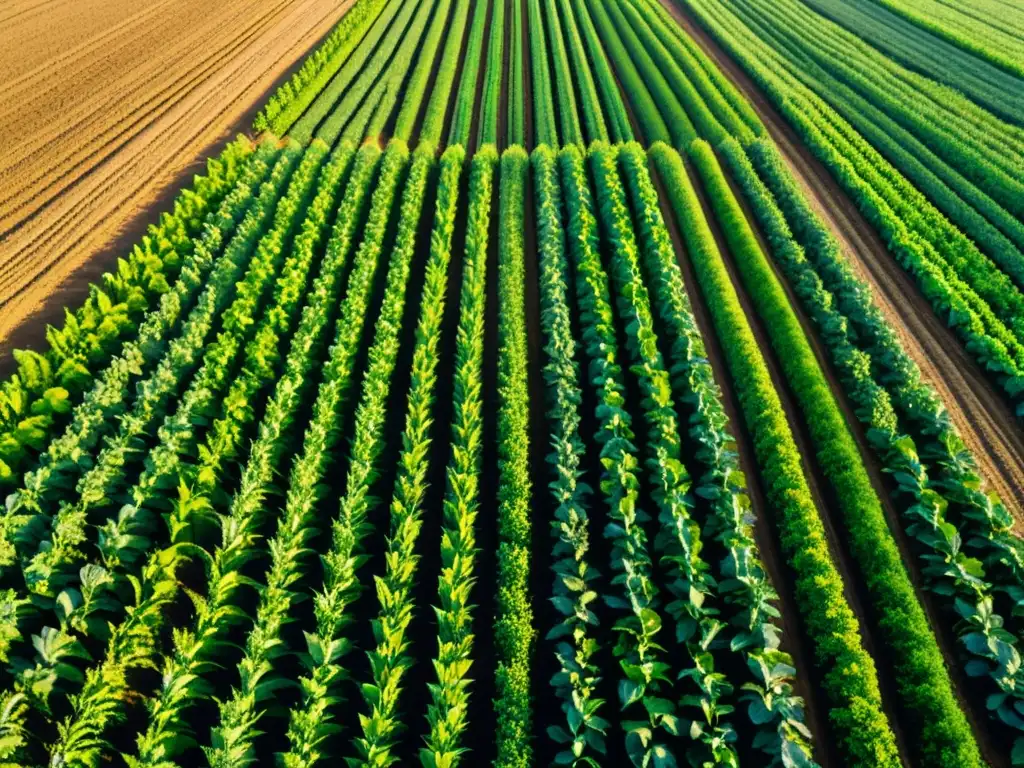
(115, 103)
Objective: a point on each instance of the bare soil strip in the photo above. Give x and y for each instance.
(977, 408)
(119, 119)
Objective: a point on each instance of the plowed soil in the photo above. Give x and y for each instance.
(114, 105)
(980, 413)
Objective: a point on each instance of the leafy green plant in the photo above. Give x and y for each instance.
(447, 711)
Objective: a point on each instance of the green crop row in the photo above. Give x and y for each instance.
(187, 666)
(571, 639)
(390, 660)
(946, 567)
(288, 102)
(493, 74)
(581, 73)
(620, 128)
(564, 80)
(849, 678)
(772, 708)
(465, 98)
(437, 105)
(941, 734)
(545, 123)
(514, 634)
(416, 87)
(447, 713)
(47, 385)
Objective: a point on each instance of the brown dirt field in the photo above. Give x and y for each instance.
(118, 104)
(977, 408)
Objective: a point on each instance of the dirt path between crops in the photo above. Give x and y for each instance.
(979, 411)
(116, 104)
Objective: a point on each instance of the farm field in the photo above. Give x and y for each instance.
(112, 103)
(528, 382)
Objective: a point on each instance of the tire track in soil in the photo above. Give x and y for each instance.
(970, 702)
(102, 215)
(824, 496)
(976, 407)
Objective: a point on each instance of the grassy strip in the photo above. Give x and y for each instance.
(939, 729)
(448, 711)
(849, 678)
(329, 93)
(571, 639)
(645, 109)
(187, 668)
(288, 102)
(350, 114)
(582, 75)
(515, 116)
(545, 125)
(514, 634)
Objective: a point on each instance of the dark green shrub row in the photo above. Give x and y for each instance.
(849, 678)
(939, 729)
(514, 634)
(289, 101)
(946, 567)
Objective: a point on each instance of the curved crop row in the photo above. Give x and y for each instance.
(849, 680)
(447, 712)
(942, 735)
(947, 569)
